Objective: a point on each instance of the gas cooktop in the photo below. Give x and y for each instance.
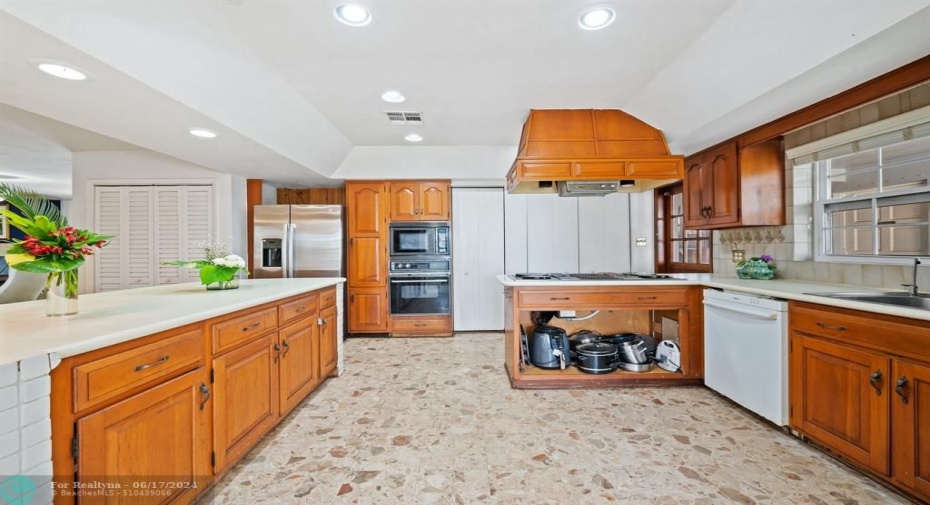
(599, 276)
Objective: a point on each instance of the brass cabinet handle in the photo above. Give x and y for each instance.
(562, 298)
(646, 297)
(277, 349)
(251, 326)
(899, 386)
(876, 381)
(287, 347)
(351, 241)
(831, 327)
(204, 390)
(352, 299)
(155, 363)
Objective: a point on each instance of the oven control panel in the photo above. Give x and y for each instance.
(413, 266)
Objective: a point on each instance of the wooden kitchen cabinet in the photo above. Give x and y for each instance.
(246, 386)
(622, 309)
(910, 407)
(161, 434)
(367, 262)
(419, 201)
(328, 341)
(842, 398)
(730, 186)
(299, 362)
(366, 207)
(368, 310)
(859, 386)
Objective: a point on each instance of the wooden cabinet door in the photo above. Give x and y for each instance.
(246, 386)
(329, 343)
(159, 435)
(694, 192)
(911, 424)
(723, 171)
(434, 201)
(365, 208)
(599, 170)
(299, 362)
(368, 310)
(367, 262)
(405, 205)
(835, 400)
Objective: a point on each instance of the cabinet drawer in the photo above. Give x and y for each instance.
(596, 299)
(328, 297)
(103, 379)
(876, 331)
(297, 309)
(533, 171)
(670, 169)
(230, 333)
(421, 324)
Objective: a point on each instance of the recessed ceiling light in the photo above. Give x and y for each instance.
(62, 71)
(393, 96)
(203, 133)
(413, 137)
(597, 18)
(352, 15)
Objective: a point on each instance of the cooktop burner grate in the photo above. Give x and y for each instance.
(598, 276)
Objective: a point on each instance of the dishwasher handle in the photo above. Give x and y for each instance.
(745, 311)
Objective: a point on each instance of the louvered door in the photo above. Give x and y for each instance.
(150, 225)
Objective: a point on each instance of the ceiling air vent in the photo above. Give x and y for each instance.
(404, 117)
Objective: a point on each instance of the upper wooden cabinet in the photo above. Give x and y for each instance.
(727, 186)
(366, 208)
(419, 201)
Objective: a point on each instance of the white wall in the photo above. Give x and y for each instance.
(425, 162)
(148, 167)
(269, 195)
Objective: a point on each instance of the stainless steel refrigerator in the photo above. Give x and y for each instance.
(298, 241)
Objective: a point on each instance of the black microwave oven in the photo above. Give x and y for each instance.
(419, 239)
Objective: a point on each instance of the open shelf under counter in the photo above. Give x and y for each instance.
(622, 309)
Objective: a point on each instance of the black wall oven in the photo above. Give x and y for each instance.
(420, 285)
(420, 239)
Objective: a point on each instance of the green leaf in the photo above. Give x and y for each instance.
(216, 273)
(31, 204)
(49, 266)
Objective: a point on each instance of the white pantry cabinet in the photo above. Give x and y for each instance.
(477, 258)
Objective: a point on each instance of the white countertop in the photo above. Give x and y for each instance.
(117, 316)
(776, 288)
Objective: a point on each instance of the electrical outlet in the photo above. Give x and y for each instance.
(640, 241)
(566, 313)
(738, 255)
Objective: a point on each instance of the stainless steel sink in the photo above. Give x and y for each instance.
(899, 298)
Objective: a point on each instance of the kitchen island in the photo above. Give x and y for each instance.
(138, 367)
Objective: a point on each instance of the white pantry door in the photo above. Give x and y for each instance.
(477, 258)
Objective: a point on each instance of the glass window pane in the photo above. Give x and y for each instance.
(677, 205)
(691, 251)
(691, 234)
(678, 227)
(704, 233)
(907, 175)
(904, 240)
(705, 254)
(850, 241)
(855, 217)
(906, 151)
(678, 251)
(857, 183)
(907, 213)
(853, 162)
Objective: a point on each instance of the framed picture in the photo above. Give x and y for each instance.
(4, 223)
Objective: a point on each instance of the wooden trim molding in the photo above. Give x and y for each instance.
(897, 80)
(253, 197)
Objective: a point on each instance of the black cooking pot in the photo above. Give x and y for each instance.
(618, 338)
(596, 357)
(583, 337)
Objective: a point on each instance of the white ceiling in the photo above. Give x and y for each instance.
(295, 94)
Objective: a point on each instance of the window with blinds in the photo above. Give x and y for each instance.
(150, 224)
(872, 195)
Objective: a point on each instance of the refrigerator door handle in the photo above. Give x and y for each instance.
(292, 244)
(285, 255)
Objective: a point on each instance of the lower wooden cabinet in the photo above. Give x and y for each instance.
(329, 342)
(246, 386)
(910, 407)
(860, 387)
(842, 399)
(161, 434)
(368, 310)
(299, 368)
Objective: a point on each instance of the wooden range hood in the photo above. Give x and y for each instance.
(591, 145)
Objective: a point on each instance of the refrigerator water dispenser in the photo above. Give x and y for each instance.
(271, 252)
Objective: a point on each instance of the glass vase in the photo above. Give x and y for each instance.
(755, 268)
(230, 284)
(61, 295)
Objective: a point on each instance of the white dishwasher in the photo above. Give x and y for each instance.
(746, 351)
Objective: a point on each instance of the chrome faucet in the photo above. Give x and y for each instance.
(913, 284)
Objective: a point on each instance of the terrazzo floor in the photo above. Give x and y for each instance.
(419, 421)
